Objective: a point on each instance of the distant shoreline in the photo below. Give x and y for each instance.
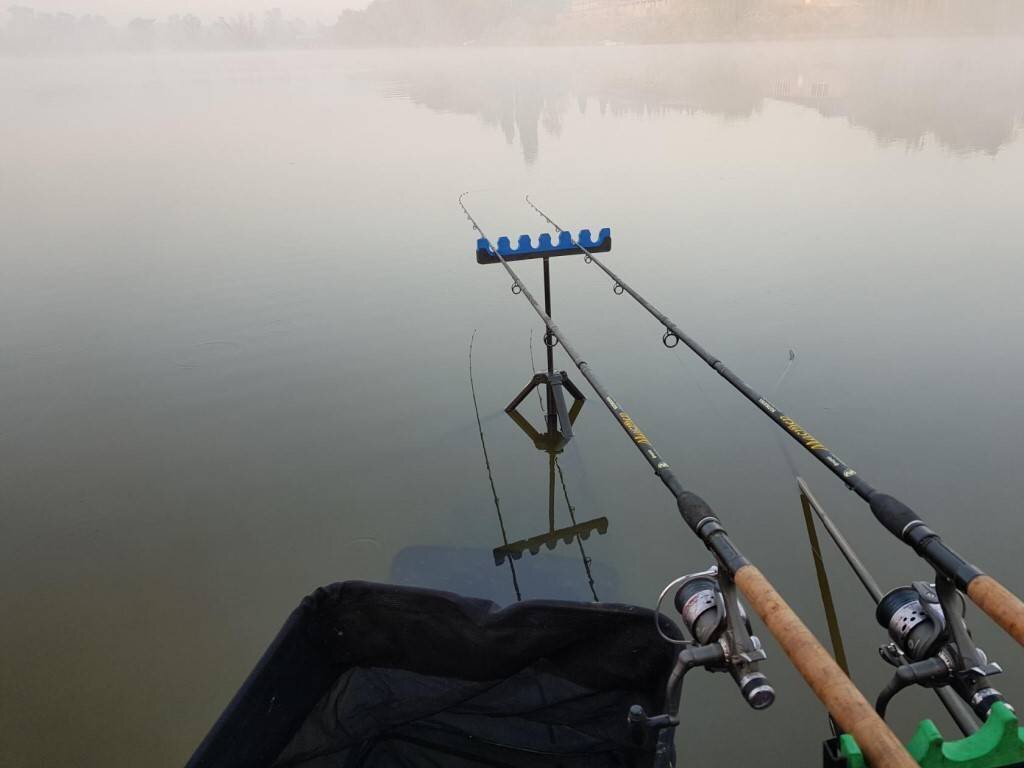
(6, 52)
(411, 24)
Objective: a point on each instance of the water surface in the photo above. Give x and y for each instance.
(235, 315)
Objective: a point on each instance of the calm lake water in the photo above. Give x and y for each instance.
(237, 298)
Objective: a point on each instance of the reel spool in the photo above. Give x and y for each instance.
(914, 619)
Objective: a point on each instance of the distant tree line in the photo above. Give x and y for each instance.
(454, 22)
(466, 22)
(30, 31)
(450, 22)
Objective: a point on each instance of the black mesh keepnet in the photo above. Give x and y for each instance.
(376, 675)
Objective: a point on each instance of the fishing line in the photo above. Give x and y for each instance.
(783, 445)
(490, 475)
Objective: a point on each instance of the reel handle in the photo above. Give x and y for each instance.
(756, 690)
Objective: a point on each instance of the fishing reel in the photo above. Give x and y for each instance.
(932, 646)
(719, 640)
(719, 625)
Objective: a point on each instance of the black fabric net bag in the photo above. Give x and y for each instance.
(375, 675)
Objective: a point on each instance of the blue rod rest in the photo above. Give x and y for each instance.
(525, 249)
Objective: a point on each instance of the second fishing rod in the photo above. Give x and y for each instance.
(1001, 605)
(830, 684)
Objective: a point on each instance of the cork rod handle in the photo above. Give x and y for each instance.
(1002, 606)
(834, 689)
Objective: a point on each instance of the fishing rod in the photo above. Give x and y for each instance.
(998, 602)
(832, 687)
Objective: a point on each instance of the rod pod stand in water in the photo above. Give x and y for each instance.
(833, 688)
(559, 418)
(1001, 605)
(555, 383)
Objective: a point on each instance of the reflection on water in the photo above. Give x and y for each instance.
(558, 420)
(552, 441)
(527, 568)
(967, 95)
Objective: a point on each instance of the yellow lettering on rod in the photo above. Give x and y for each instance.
(638, 437)
(805, 437)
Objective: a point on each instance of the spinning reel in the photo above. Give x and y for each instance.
(720, 628)
(932, 646)
(720, 640)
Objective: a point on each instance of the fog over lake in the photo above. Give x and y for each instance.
(237, 298)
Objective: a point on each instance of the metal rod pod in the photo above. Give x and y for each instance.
(834, 689)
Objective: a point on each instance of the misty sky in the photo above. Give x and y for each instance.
(122, 10)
